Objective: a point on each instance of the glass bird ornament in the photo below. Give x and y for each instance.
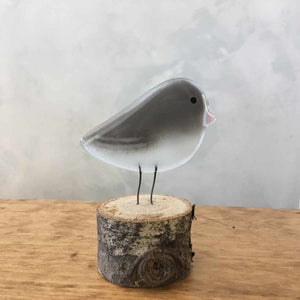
(159, 131)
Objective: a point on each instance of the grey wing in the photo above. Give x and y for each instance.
(142, 123)
(126, 130)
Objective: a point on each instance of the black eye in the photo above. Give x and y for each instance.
(193, 100)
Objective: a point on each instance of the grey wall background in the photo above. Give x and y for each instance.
(66, 66)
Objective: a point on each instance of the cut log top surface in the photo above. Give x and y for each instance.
(48, 250)
(163, 208)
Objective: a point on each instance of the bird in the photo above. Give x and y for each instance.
(160, 130)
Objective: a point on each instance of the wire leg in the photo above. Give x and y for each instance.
(153, 185)
(139, 187)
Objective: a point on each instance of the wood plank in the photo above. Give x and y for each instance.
(48, 249)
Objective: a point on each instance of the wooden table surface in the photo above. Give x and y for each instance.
(48, 249)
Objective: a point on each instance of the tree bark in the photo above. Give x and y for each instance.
(144, 245)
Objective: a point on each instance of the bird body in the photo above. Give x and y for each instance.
(163, 128)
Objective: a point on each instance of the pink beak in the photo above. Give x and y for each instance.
(209, 118)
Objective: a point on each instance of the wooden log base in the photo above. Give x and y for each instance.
(144, 245)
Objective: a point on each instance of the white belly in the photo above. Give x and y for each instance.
(168, 152)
